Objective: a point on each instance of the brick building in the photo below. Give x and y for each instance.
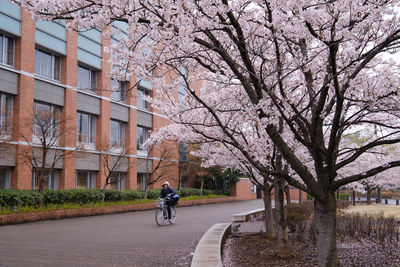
(46, 69)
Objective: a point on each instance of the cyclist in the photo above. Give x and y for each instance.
(168, 191)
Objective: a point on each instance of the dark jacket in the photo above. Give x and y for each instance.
(165, 192)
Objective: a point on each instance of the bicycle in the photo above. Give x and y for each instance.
(162, 212)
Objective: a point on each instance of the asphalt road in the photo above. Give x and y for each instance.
(126, 239)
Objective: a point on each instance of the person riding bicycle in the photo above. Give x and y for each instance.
(169, 192)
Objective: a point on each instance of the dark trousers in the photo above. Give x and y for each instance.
(169, 204)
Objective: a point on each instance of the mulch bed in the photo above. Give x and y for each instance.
(256, 250)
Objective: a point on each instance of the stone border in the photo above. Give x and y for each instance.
(247, 215)
(209, 249)
(59, 214)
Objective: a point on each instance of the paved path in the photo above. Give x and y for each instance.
(126, 239)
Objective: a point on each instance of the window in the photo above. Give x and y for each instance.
(87, 79)
(117, 180)
(5, 177)
(143, 133)
(182, 87)
(47, 65)
(117, 134)
(183, 151)
(51, 181)
(141, 181)
(6, 102)
(86, 128)
(6, 50)
(46, 122)
(85, 179)
(253, 188)
(117, 90)
(183, 181)
(141, 94)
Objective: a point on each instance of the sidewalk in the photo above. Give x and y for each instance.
(59, 214)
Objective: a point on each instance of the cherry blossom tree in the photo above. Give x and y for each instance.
(303, 72)
(216, 150)
(387, 179)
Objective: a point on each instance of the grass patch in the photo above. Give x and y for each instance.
(71, 206)
(375, 209)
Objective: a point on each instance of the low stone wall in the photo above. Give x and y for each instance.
(208, 250)
(59, 214)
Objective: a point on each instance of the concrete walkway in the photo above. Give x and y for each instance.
(127, 239)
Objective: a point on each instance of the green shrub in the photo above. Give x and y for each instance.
(113, 195)
(32, 198)
(132, 195)
(344, 197)
(153, 193)
(77, 196)
(85, 195)
(14, 197)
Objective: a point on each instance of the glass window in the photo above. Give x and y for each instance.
(6, 50)
(85, 179)
(183, 181)
(117, 180)
(46, 121)
(86, 128)
(182, 88)
(143, 133)
(141, 103)
(141, 181)
(6, 107)
(183, 151)
(87, 79)
(47, 65)
(117, 90)
(51, 179)
(117, 134)
(5, 177)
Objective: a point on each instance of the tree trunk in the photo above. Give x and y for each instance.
(287, 193)
(368, 189)
(201, 186)
(146, 190)
(283, 250)
(379, 193)
(354, 198)
(41, 181)
(269, 219)
(103, 193)
(325, 231)
(300, 196)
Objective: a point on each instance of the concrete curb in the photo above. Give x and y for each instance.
(59, 214)
(209, 248)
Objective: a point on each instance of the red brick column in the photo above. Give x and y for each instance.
(23, 103)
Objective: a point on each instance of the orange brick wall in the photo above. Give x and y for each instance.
(242, 191)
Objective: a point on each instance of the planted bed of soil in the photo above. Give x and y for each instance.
(256, 250)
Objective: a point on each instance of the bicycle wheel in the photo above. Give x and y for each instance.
(160, 217)
(173, 215)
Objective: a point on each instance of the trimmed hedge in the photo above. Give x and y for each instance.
(13, 197)
(185, 192)
(32, 198)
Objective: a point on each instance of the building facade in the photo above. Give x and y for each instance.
(52, 76)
